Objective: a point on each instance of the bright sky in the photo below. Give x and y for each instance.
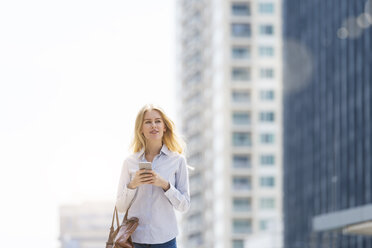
(73, 75)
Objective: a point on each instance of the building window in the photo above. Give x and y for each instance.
(241, 161)
(266, 73)
(195, 179)
(267, 182)
(194, 38)
(194, 140)
(241, 118)
(264, 224)
(194, 78)
(238, 243)
(241, 96)
(242, 139)
(240, 53)
(195, 239)
(194, 99)
(240, 9)
(192, 122)
(267, 160)
(266, 51)
(267, 138)
(241, 204)
(267, 203)
(241, 183)
(197, 199)
(242, 226)
(268, 116)
(266, 8)
(193, 58)
(195, 219)
(241, 30)
(267, 95)
(240, 74)
(266, 29)
(195, 158)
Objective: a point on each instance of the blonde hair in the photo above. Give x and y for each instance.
(170, 138)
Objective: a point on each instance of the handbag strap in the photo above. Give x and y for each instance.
(115, 216)
(126, 213)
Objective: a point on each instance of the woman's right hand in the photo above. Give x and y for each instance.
(141, 177)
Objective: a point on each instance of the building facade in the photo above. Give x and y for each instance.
(230, 108)
(327, 123)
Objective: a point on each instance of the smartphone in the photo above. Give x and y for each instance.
(145, 165)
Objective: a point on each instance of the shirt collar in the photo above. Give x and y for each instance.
(164, 150)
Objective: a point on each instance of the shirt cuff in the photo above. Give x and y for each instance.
(171, 191)
(131, 192)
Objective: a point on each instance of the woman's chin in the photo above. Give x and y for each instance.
(158, 138)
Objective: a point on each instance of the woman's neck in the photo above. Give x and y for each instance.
(153, 149)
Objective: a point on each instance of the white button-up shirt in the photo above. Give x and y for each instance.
(152, 205)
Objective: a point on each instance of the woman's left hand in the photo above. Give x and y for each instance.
(157, 180)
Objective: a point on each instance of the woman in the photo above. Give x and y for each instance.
(161, 189)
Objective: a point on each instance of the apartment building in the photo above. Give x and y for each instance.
(229, 72)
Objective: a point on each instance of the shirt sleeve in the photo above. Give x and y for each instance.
(179, 194)
(124, 194)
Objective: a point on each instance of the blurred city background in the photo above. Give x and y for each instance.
(274, 99)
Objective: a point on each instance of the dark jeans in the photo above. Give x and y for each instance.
(169, 244)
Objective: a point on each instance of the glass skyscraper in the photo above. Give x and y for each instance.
(327, 115)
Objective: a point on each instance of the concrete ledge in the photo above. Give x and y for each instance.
(342, 219)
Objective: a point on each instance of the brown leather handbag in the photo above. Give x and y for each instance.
(121, 236)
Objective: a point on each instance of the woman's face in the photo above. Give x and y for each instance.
(153, 126)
